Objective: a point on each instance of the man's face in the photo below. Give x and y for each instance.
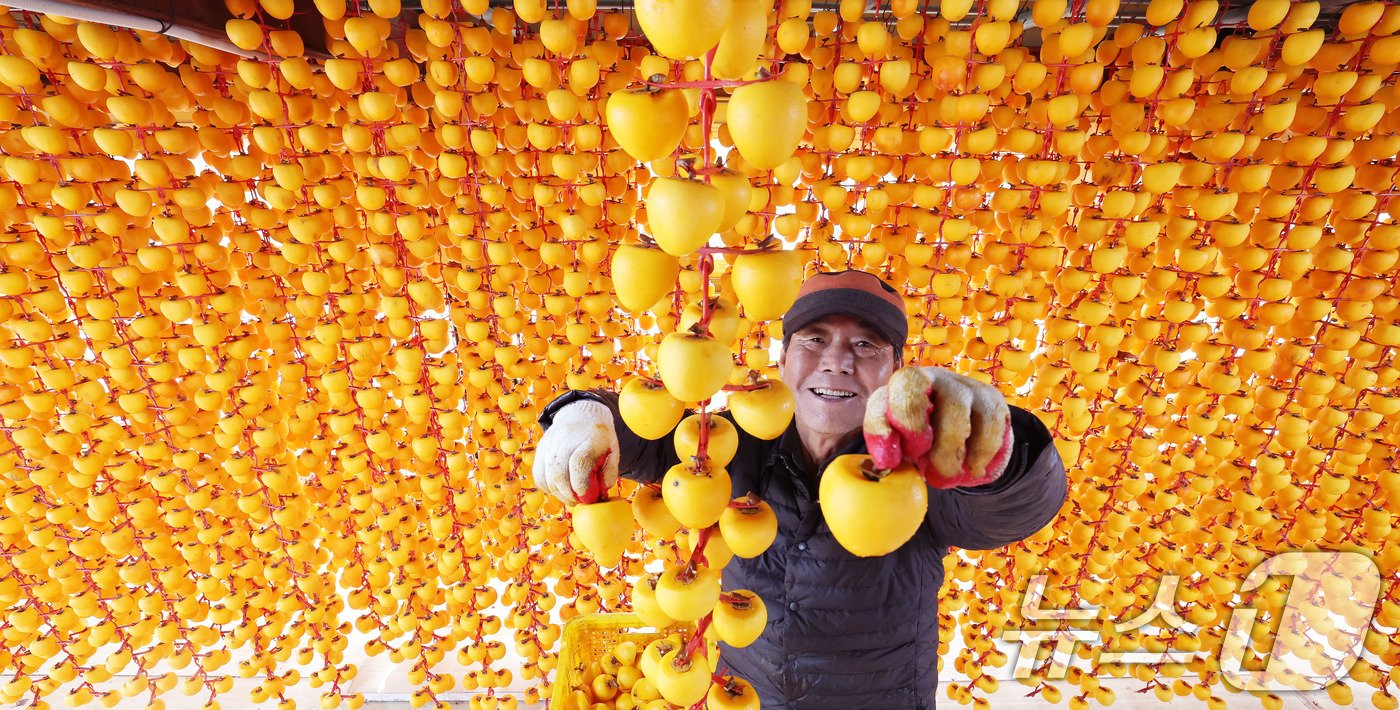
(832, 365)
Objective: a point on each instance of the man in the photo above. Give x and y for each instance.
(845, 631)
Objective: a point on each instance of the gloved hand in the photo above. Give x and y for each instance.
(954, 429)
(580, 440)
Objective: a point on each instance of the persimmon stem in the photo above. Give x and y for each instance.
(697, 556)
(597, 487)
(748, 502)
(697, 640)
(702, 446)
(736, 600)
(687, 573)
(870, 472)
(707, 265)
(746, 388)
(707, 111)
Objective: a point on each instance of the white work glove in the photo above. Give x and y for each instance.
(580, 439)
(955, 430)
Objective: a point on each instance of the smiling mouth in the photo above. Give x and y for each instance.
(833, 395)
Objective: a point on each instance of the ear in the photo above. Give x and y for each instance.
(782, 361)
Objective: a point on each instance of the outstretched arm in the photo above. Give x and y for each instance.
(642, 460)
(1024, 499)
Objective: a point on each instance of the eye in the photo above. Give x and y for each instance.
(868, 348)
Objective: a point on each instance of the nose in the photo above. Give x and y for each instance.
(839, 358)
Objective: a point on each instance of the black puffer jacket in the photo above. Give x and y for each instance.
(851, 632)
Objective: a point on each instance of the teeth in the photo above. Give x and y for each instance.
(833, 393)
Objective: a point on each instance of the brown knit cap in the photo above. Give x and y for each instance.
(854, 293)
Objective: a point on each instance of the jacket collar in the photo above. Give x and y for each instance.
(790, 449)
